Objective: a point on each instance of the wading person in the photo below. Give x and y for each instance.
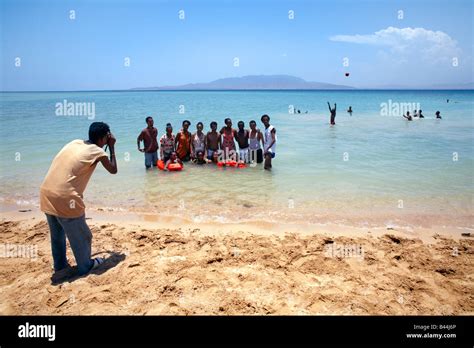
(227, 142)
(242, 137)
(213, 141)
(408, 116)
(269, 142)
(61, 195)
(167, 142)
(255, 137)
(198, 142)
(333, 113)
(149, 137)
(183, 142)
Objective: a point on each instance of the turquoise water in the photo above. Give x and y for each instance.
(388, 160)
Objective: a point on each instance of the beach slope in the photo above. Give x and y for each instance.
(188, 271)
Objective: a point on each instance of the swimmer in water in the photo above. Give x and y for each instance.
(333, 113)
(173, 159)
(200, 159)
(408, 116)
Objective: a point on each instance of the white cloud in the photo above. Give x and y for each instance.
(433, 46)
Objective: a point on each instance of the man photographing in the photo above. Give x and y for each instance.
(61, 195)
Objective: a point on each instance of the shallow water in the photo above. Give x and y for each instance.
(370, 167)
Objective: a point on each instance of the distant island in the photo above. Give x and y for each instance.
(252, 82)
(275, 82)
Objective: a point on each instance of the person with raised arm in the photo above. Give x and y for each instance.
(333, 114)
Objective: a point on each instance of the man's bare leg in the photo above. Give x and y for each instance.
(268, 161)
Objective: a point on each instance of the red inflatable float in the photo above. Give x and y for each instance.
(173, 167)
(231, 163)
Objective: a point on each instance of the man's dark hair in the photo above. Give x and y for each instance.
(252, 122)
(200, 123)
(146, 119)
(241, 123)
(227, 119)
(98, 130)
(261, 119)
(186, 121)
(213, 123)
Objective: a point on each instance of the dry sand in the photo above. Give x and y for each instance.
(153, 268)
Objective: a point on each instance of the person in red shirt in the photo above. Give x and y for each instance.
(183, 142)
(149, 137)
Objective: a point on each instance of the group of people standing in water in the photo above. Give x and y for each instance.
(254, 145)
(419, 114)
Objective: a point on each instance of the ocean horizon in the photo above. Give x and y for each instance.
(353, 89)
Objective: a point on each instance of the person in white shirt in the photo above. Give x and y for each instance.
(269, 142)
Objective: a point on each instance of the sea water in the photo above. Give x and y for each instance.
(371, 167)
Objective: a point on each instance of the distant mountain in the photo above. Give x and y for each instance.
(283, 82)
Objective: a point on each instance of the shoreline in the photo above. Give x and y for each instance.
(265, 227)
(409, 224)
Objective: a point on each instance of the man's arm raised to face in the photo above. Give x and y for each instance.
(110, 164)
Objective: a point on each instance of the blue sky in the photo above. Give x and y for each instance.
(89, 52)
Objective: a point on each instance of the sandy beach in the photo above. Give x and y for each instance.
(155, 268)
